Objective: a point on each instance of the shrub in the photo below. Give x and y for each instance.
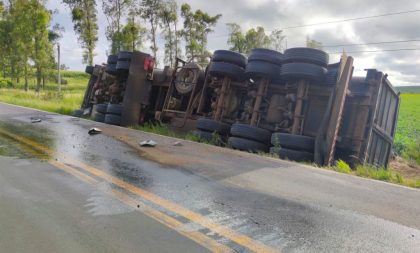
(5, 83)
(342, 166)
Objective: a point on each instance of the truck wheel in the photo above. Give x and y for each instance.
(331, 77)
(247, 145)
(266, 55)
(99, 117)
(293, 155)
(210, 125)
(298, 142)
(306, 55)
(250, 132)
(89, 69)
(224, 69)
(101, 108)
(122, 66)
(112, 59)
(113, 119)
(124, 56)
(256, 69)
(303, 70)
(111, 69)
(229, 57)
(114, 109)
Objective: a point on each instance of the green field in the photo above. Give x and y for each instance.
(407, 138)
(48, 100)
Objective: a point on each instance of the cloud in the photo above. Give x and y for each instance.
(402, 66)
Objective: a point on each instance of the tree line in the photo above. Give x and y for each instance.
(130, 23)
(27, 37)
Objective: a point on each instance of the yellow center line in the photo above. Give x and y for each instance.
(162, 218)
(228, 233)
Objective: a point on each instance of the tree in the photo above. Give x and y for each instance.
(276, 40)
(313, 43)
(169, 17)
(253, 38)
(236, 38)
(85, 25)
(149, 10)
(197, 25)
(133, 35)
(42, 47)
(114, 11)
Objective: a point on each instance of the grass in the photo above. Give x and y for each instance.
(160, 129)
(48, 99)
(381, 174)
(407, 138)
(342, 166)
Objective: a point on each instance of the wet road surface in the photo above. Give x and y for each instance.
(62, 190)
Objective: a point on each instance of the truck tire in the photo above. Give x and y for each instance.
(89, 69)
(290, 141)
(124, 56)
(250, 132)
(112, 59)
(210, 125)
(331, 77)
(293, 155)
(303, 70)
(101, 108)
(113, 119)
(224, 69)
(247, 145)
(99, 117)
(266, 55)
(306, 55)
(111, 69)
(114, 109)
(122, 66)
(230, 57)
(255, 69)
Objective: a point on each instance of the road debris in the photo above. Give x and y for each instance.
(177, 144)
(148, 143)
(94, 131)
(35, 120)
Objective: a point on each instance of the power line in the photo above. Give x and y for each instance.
(352, 19)
(375, 51)
(338, 21)
(372, 43)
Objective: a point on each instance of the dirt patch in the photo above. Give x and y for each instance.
(407, 169)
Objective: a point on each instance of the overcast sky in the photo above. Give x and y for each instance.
(403, 67)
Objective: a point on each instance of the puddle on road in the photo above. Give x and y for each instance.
(13, 148)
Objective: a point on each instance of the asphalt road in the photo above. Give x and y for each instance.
(62, 190)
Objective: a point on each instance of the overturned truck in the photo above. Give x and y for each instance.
(293, 104)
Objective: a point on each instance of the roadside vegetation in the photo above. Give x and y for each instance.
(407, 138)
(47, 99)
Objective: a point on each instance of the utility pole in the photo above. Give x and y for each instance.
(59, 76)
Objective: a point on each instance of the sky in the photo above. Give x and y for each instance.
(402, 67)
